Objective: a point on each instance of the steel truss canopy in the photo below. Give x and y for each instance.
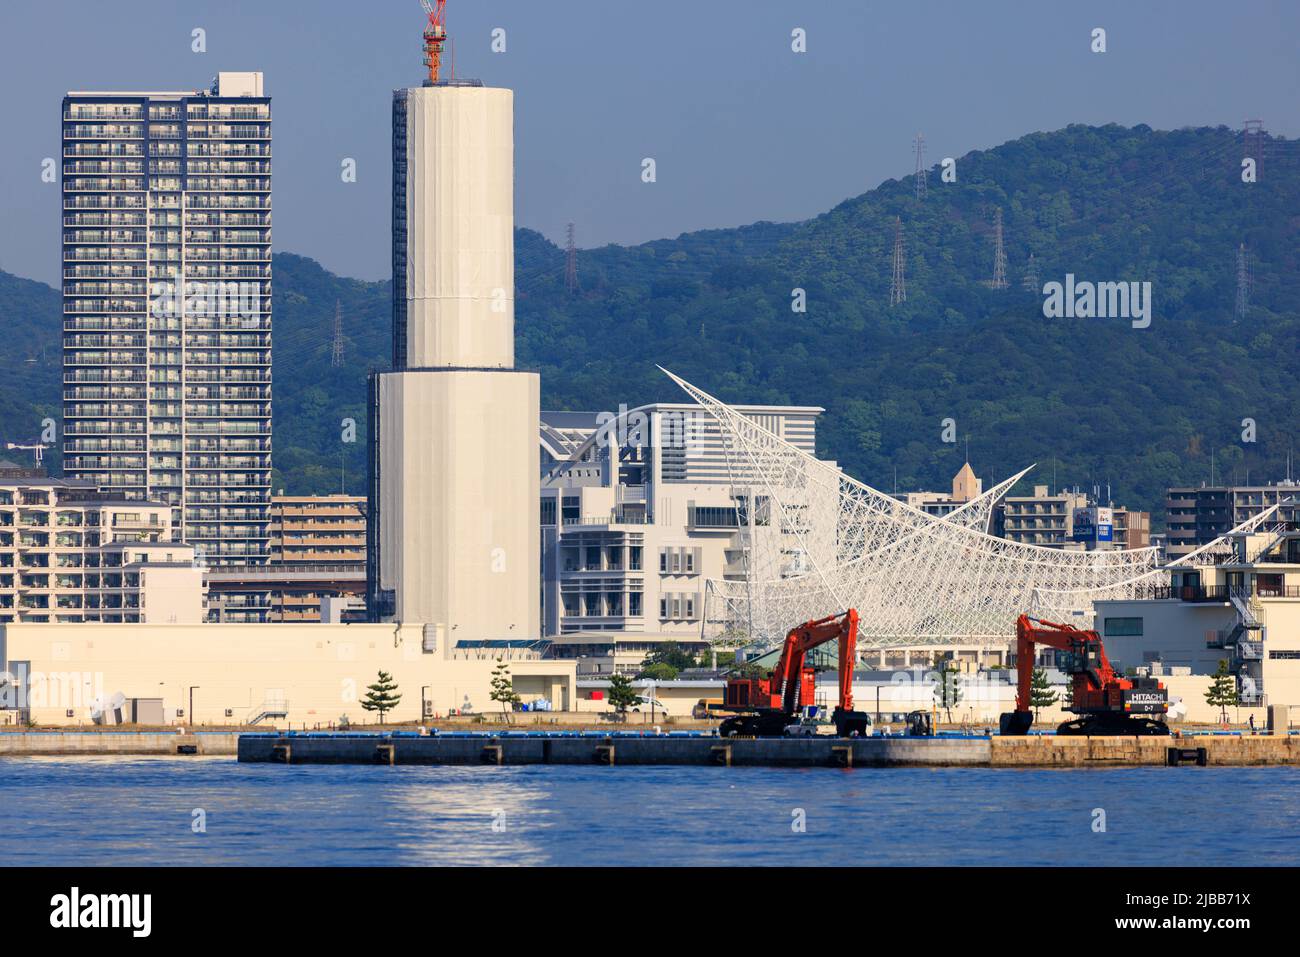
(815, 541)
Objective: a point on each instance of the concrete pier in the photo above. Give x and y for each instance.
(616, 750)
(54, 743)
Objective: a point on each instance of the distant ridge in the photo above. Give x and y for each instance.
(1142, 409)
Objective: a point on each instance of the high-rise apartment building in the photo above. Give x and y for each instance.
(167, 306)
(1197, 516)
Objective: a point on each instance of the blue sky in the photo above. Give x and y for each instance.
(741, 128)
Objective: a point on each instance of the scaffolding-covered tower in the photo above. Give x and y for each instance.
(454, 474)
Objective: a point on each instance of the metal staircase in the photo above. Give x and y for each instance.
(1248, 645)
(269, 709)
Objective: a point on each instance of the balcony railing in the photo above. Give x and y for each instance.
(1216, 593)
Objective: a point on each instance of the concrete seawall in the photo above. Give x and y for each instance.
(52, 743)
(1035, 751)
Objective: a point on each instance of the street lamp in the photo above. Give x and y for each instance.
(192, 689)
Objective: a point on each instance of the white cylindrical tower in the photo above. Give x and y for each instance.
(459, 224)
(453, 526)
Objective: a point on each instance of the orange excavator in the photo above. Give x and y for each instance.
(1106, 702)
(764, 706)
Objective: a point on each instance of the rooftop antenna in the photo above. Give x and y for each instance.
(435, 35)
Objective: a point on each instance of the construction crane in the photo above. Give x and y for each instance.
(435, 35)
(765, 706)
(1107, 703)
(37, 450)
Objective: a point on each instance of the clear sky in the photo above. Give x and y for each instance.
(741, 128)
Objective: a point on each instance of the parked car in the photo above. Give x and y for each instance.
(648, 704)
(704, 708)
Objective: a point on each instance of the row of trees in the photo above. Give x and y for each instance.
(663, 665)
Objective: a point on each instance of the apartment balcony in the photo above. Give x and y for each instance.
(123, 113)
(1215, 593)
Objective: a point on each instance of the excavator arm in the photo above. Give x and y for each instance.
(766, 705)
(803, 639)
(1092, 660)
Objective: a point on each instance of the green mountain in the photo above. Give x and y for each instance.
(1092, 400)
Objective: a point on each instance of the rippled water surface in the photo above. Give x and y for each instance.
(139, 811)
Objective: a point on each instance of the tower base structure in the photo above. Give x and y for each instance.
(454, 485)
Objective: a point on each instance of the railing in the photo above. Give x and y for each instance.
(1215, 593)
(269, 709)
(611, 519)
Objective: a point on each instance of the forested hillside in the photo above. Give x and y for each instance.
(1140, 408)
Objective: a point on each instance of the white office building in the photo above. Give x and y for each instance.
(638, 509)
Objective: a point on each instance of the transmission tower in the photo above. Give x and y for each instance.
(336, 352)
(570, 263)
(999, 280)
(898, 283)
(1243, 281)
(1030, 282)
(1252, 142)
(918, 147)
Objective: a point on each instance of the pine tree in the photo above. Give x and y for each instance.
(947, 688)
(1041, 694)
(503, 688)
(381, 696)
(621, 693)
(1222, 692)
(1067, 694)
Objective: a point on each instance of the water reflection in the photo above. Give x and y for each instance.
(110, 811)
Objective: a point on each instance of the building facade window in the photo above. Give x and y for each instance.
(1123, 627)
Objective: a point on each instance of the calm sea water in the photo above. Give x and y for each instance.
(97, 811)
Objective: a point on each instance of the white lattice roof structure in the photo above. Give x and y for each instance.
(817, 541)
